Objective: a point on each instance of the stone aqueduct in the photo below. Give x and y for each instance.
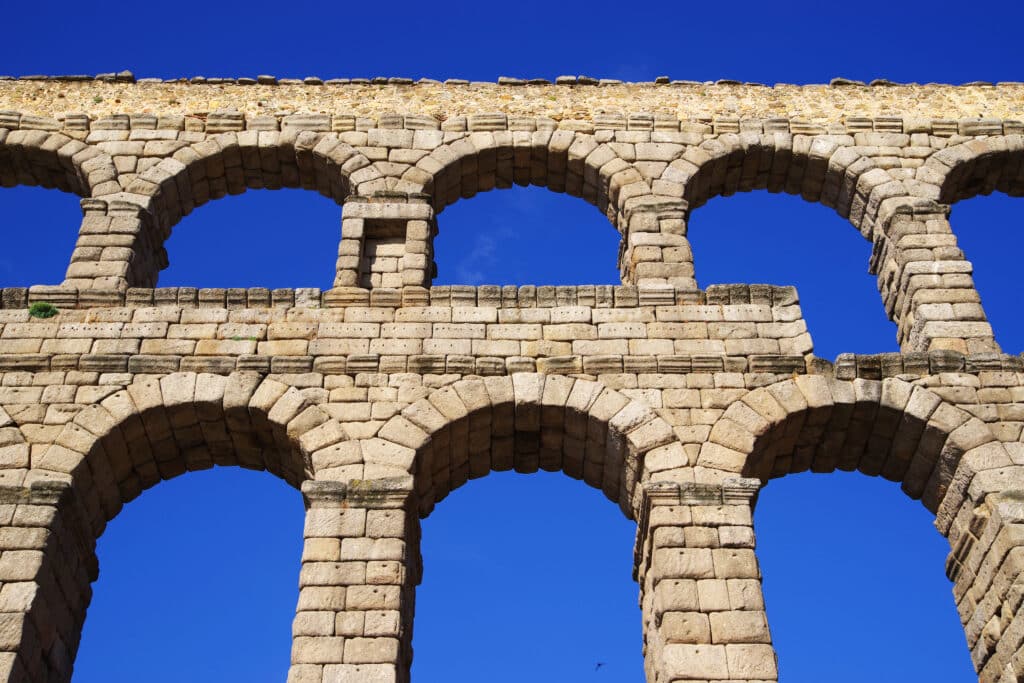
(382, 394)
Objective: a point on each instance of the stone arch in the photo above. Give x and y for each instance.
(231, 163)
(898, 219)
(155, 428)
(526, 422)
(54, 160)
(824, 169)
(940, 454)
(575, 163)
(560, 160)
(890, 428)
(979, 166)
(141, 209)
(160, 427)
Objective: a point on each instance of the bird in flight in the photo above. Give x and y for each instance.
(598, 665)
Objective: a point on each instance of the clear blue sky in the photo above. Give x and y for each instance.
(526, 577)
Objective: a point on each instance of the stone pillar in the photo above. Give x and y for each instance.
(926, 283)
(986, 566)
(700, 586)
(118, 247)
(47, 566)
(654, 248)
(360, 567)
(386, 243)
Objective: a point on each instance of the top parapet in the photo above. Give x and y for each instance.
(569, 99)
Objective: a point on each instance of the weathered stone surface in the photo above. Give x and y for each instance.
(382, 395)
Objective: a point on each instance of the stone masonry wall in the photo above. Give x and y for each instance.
(380, 396)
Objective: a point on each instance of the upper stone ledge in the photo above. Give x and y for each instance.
(568, 98)
(498, 296)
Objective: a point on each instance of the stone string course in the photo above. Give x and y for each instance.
(381, 395)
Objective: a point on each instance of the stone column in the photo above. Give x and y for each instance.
(700, 586)
(360, 567)
(927, 284)
(986, 566)
(655, 250)
(47, 566)
(118, 247)
(386, 243)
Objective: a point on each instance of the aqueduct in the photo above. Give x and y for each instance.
(381, 395)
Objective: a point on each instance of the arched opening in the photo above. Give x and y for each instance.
(526, 235)
(527, 577)
(890, 429)
(989, 165)
(286, 238)
(756, 237)
(854, 583)
(152, 430)
(39, 228)
(527, 423)
(230, 164)
(988, 230)
(198, 575)
(559, 160)
(979, 166)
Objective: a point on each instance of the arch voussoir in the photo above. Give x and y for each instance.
(53, 160)
(907, 441)
(526, 421)
(891, 427)
(977, 166)
(158, 427)
(403, 432)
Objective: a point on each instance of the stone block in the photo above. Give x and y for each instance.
(751, 662)
(322, 598)
(313, 624)
(682, 563)
(735, 563)
(364, 673)
(739, 627)
(713, 595)
(685, 627)
(335, 522)
(373, 598)
(332, 574)
(317, 650)
(696, 662)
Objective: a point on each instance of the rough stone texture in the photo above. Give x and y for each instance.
(382, 395)
(573, 100)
